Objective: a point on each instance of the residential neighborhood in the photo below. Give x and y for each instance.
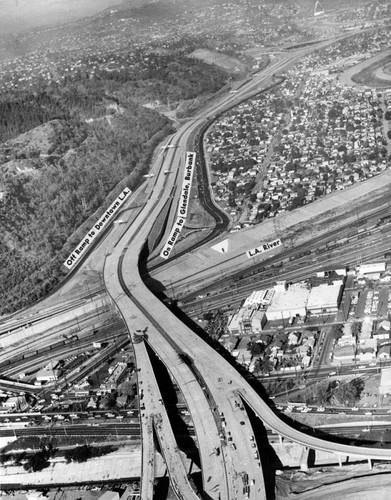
(307, 136)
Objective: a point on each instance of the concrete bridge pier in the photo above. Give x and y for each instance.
(304, 459)
(339, 461)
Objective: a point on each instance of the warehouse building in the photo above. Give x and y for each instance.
(325, 298)
(288, 302)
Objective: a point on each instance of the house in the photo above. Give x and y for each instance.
(302, 350)
(381, 334)
(384, 352)
(366, 350)
(122, 401)
(16, 403)
(293, 338)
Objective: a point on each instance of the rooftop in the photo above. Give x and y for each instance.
(296, 296)
(324, 295)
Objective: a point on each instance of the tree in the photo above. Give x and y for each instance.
(256, 348)
(356, 329)
(231, 186)
(349, 393)
(38, 461)
(79, 454)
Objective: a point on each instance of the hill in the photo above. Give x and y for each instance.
(66, 147)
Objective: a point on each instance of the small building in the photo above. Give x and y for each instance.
(122, 401)
(344, 354)
(366, 350)
(293, 338)
(243, 356)
(347, 337)
(372, 271)
(384, 352)
(259, 297)
(381, 334)
(109, 495)
(49, 373)
(16, 403)
(386, 325)
(234, 326)
(258, 321)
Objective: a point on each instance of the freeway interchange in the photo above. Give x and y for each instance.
(214, 391)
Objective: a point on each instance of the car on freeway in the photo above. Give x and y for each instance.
(354, 408)
(320, 408)
(368, 413)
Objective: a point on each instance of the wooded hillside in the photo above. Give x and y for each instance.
(62, 151)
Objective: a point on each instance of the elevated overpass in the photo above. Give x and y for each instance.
(221, 380)
(167, 335)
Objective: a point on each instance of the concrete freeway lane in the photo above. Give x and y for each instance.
(204, 422)
(155, 418)
(238, 460)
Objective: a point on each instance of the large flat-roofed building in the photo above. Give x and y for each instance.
(288, 302)
(325, 298)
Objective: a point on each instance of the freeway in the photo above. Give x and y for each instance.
(225, 385)
(231, 461)
(137, 319)
(224, 388)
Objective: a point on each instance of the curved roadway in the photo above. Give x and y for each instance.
(222, 381)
